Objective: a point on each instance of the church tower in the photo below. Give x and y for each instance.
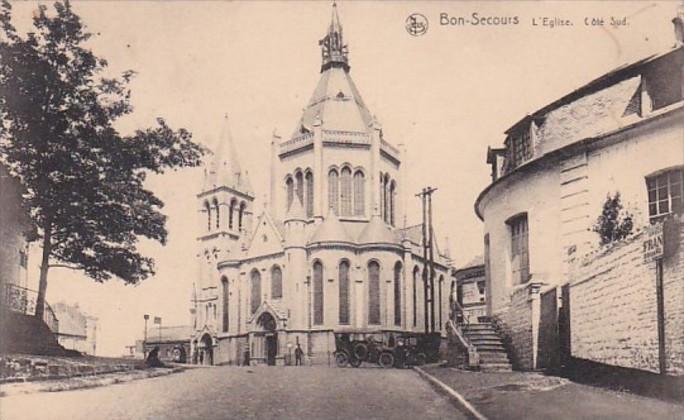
(225, 208)
(337, 156)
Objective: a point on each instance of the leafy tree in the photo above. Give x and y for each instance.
(84, 180)
(614, 223)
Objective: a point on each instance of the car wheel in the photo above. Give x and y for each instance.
(386, 360)
(354, 362)
(360, 351)
(421, 359)
(341, 359)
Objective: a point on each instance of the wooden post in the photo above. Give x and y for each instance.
(661, 316)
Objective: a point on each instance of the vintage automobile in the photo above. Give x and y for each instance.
(387, 349)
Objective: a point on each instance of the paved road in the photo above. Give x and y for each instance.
(246, 393)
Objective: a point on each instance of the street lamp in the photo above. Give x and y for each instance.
(145, 317)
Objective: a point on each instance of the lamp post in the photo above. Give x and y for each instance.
(145, 317)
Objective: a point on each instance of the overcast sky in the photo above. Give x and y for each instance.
(447, 95)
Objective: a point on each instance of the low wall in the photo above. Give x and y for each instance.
(614, 306)
(517, 323)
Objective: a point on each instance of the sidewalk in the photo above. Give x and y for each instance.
(523, 395)
(25, 374)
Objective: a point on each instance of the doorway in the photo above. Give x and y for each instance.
(207, 351)
(271, 348)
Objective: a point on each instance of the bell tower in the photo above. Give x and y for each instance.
(225, 213)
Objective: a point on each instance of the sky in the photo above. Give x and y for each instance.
(446, 95)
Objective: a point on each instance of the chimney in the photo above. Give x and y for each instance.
(678, 22)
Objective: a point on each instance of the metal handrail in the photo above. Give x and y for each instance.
(23, 300)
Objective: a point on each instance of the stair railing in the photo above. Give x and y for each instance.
(455, 331)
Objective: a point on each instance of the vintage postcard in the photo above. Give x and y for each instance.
(341, 209)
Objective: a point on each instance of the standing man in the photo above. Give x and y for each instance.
(298, 355)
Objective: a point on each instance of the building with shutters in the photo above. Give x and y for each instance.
(620, 133)
(330, 253)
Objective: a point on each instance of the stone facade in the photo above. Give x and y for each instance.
(614, 307)
(327, 253)
(552, 177)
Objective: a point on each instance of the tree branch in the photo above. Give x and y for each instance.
(70, 267)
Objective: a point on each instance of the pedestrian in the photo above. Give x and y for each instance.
(298, 355)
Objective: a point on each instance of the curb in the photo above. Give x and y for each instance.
(457, 398)
(82, 382)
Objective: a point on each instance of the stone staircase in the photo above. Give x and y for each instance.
(489, 345)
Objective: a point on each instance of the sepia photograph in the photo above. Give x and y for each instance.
(341, 209)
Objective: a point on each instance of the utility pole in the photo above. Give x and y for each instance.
(428, 259)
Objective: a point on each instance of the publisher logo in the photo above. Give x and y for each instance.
(416, 24)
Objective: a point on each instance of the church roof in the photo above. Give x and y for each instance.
(336, 101)
(296, 211)
(377, 232)
(224, 167)
(331, 230)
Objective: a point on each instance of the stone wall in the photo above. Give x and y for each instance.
(614, 307)
(517, 323)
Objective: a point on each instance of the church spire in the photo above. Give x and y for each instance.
(333, 49)
(224, 167)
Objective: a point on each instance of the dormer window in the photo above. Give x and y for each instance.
(520, 149)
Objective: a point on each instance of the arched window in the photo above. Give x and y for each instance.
(392, 209)
(382, 196)
(218, 213)
(299, 180)
(255, 300)
(318, 293)
(416, 273)
(397, 294)
(225, 296)
(441, 303)
(426, 307)
(345, 192)
(241, 215)
(231, 210)
(385, 207)
(373, 292)
(359, 194)
(289, 184)
(309, 194)
(344, 291)
(207, 208)
(276, 283)
(333, 191)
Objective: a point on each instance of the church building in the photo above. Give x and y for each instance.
(331, 251)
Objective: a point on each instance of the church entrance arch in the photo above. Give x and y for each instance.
(268, 324)
(206, 353)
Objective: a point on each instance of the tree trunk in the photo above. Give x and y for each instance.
(44, 266)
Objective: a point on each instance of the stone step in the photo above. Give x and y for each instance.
(498, 348)
(485, 338)
(489, 335)
(495, 367)
(471, 327)
(493, 357)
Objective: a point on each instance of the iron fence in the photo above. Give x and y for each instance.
(23, 300)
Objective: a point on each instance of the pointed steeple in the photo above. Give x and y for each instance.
(224, 167)
(333, 49)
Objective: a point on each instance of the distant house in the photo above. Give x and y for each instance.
(470, 289)
(173, 342)
(77, 330)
